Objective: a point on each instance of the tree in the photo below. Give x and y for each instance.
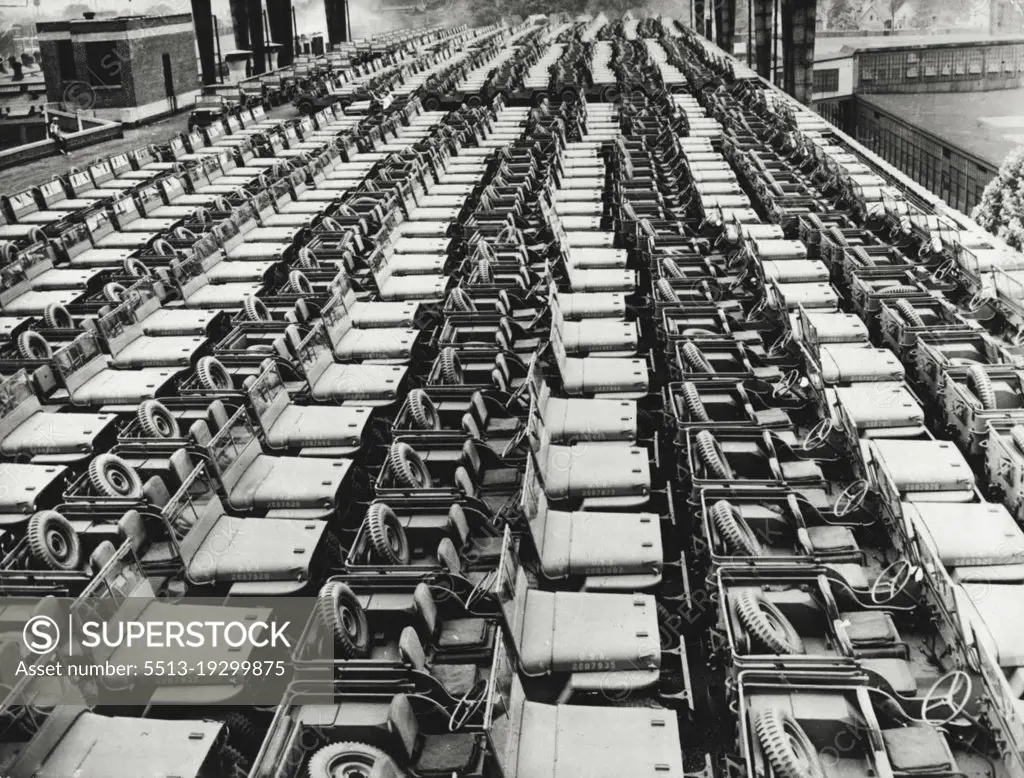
(893, 7)
(1001, 210)
(837, 14)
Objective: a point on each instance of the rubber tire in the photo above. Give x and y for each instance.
(710, 454)
(451, 368)
(387, 535)
(307, 259)
(981, 383)
(232, 756)
(298, 283)
(899, 289)
(324, 762)
(40, 528)
(114, 292)
(242, 733)
(423, 411)
(461, 301)
(32, 345)
(751, 608)
(156, 421)
(671, 268)
(100, 480)
(908, 312)
(695, 358)
(351, 643)
(213, 376)
(162, 248)
(694, 405)
(255, 309)
(777, 731)
(136, 268)
(665, 291)
(407, 467)
(57, 317)
(485, 272)
(734, 532)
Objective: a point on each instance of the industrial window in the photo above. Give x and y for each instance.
(826, 80)
(103, 64)
(975, 58)
(66, 61)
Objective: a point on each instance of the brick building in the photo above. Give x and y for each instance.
(128, 68)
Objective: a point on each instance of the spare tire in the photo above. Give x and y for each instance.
(461, 301)
(111, 476)
(387, 535)
(695, 358)
(32, 345)
(981, 383)
(307, 259)
(787, 747)
(351, 760)
(710, 453)
(162, 248)
(156, 421)
(53, 542)
(298, 283)
(908, 312)
(423, 411)
(255, 309)
(339, 610)
(57, 317)
(671, 268)
(450, 367)
(407, 467)
(485, 272)
(766, 625)
(114, 292)
(734, 531)
(213, 375)
(694, 405)
(665, 291)
(136, 268)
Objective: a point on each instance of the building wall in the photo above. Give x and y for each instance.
(974, 67)
(837, 73)
(147, 69)
(951, 173)
(115, 67)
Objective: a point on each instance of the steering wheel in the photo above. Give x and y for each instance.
(757, 310)
(851, 498)
(978, 301)
(959, 681)
(787, 384)
(515, 441)
(891, 582)
(818, 436)
(778, 348)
